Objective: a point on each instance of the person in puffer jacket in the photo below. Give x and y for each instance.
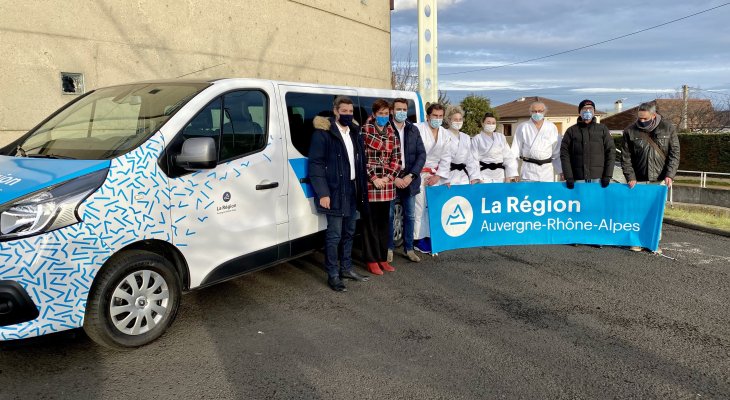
(587, 152)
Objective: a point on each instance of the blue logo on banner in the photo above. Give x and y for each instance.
(499, 214)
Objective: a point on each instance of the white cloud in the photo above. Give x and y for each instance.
(401, 5)
(622, 90)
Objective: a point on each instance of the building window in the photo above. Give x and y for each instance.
(72, 83)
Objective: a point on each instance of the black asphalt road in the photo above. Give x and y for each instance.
(538, 322)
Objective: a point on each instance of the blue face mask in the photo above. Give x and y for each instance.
(644, 124)
(537, 116)
(586, 115)
(401, 116)
(382, 120)
(345, 119)
(435, 123)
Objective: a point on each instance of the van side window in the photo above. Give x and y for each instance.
(244, 127)
(365, 108)
(206, 123)
(301, 108)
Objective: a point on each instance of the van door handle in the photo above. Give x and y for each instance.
(264, 186)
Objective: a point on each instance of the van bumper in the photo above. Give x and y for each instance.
(16, 306)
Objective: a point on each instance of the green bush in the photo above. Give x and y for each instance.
(700, 152)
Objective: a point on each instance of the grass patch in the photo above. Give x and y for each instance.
(699, 217)
(690, 181)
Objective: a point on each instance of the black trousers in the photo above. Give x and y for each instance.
(375, 232)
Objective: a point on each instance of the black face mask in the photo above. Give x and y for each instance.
(345, 119)
(644, 124)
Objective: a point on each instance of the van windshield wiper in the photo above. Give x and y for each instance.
(55, 156)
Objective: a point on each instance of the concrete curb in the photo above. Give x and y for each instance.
(701, 228)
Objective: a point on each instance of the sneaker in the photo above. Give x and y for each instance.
(658, 250)
(411, 255)
(423, 245)
(390, 255)
(635, 248)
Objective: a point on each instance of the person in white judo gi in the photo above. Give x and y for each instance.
(537, 144)
(435, 171)
(464, 167)
(491, 150)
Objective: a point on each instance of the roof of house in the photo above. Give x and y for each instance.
(697, 110)
(520, 108)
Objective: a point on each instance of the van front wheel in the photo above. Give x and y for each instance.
(133, 301)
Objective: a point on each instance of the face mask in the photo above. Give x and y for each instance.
(457, 125)
(490, 127)
(345, 119)
(586, 115)
(537, 116)
(435, 123)
(382, 121)
(401, 116)
(644, 124)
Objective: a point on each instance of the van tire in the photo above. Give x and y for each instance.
(152, 273)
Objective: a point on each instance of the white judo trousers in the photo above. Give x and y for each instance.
(438, 162)
(538, 145)
(493, 149)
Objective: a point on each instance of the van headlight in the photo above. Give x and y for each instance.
(49, 209)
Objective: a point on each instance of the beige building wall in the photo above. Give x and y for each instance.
(342, 42)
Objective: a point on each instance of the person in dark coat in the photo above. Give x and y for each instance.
(650, 151)
(408, 183)
(587, 152)
(338, 177)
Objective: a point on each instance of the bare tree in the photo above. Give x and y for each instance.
(404, 73)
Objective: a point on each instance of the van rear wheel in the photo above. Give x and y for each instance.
(134, 300)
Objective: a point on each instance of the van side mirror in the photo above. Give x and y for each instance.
(197, 153)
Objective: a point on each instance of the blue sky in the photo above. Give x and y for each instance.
(480, 33)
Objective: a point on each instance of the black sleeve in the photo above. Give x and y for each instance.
(318, 164)
(610, 153)
(673, 154)
(421, 151)
(626, 158)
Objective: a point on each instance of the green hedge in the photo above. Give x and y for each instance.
(698, 152)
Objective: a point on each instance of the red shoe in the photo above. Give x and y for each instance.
(386, 266)
(374, 269)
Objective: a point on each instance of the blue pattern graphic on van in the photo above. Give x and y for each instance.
(57, 268)
(301, 170)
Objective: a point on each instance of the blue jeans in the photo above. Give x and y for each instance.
(338, 243)
(409, 216)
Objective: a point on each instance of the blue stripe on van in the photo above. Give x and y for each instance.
(301, 170)
(20, 176)
(420, 107)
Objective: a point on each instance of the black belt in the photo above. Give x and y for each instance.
(460, 167)
(491, 166)
(538, 162)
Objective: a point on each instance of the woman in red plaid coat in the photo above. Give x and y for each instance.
(382, 155)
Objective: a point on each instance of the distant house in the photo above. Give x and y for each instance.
(701, 116)
(563, 115)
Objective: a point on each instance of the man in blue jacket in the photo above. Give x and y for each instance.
(337, 175)
(408, 183)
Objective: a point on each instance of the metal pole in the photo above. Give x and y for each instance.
(685, 97)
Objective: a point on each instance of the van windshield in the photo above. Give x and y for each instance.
(107, 122)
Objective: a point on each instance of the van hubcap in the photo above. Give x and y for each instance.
(139, 302)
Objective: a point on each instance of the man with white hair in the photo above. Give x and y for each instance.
(537, 144)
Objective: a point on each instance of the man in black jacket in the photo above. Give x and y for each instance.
(408, 183)
(587, 152)
(650, 150)
(337, 175)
